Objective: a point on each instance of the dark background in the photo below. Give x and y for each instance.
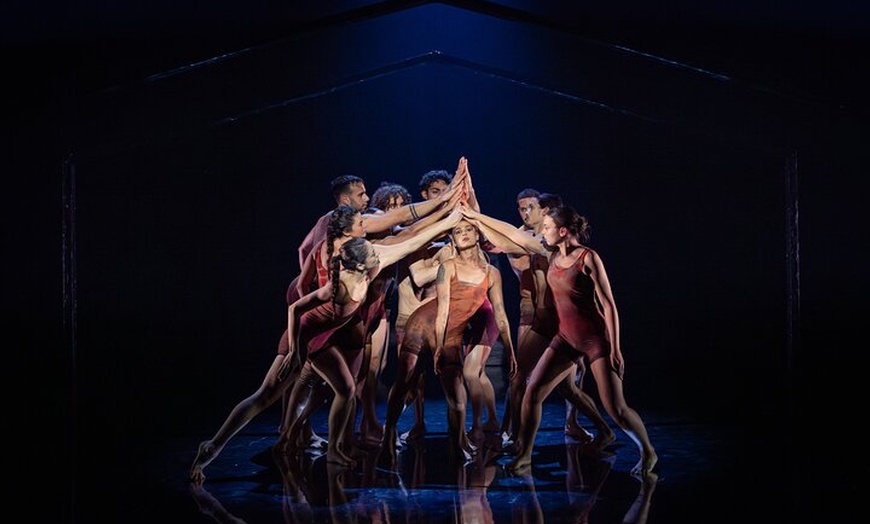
(717, 152)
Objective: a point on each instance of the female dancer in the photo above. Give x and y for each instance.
(328, 309)
(464, 282)
(588, 326)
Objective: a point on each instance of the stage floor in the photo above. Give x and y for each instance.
(705, 474)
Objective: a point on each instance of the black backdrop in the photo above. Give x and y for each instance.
(192, 189)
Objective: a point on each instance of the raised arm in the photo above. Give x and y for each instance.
(376, 223)
(408, 232)
(390, 254)
(498, 230)
(471, 196)
(425, 270)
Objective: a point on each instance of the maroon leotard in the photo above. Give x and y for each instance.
(482, 327)
(323, 325)
(582, 330)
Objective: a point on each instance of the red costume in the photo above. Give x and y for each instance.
(582, 330)
(465, 300)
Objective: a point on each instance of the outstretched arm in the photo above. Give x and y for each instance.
(425, 270)
(390, 254)
(376, 223)
(498, 230)
(407, 232)
(471, 196)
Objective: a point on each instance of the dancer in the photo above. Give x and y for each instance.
(412, 294)
(481, 333)
(347, 190)
(464, 282)
(537, 309)
(387, 197)
(588, 326)
(330, 308)
(324, 338)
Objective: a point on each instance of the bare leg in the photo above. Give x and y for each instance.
(416, 395)
(610, 391)
(481, 392)
(572, 425)
(454, 391)
(550, 370)
(406, 372)
(269, 391)
(585, 404)
(298, 412)
(471, 372)
(529, 353)
(491, 423)
(371, 431)
(512, 398)
(319, 394)
(330, 364)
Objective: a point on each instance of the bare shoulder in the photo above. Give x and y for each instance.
(589, 257)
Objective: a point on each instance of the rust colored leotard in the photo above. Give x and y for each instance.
(581, 324)
(465, 299)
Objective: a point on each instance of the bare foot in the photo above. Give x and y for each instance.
(646, 464)
(467, 445)
(205, 453)
(340, 459)
(284, 446)
(463, 455)
(416, 432)
(317, 442)
(603, 439)
(372, 437)
(578, 433)
(387, 458)
(491, 426)
(650, 481)
(520, 465)
(476, 434)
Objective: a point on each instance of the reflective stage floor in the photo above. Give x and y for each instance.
(705, 474)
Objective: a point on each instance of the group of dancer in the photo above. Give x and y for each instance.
(436, 254)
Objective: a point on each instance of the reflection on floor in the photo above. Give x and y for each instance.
(566, 484)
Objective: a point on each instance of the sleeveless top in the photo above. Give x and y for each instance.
(465, 299)
(292, 294)
(319, 326)
(574, 299)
